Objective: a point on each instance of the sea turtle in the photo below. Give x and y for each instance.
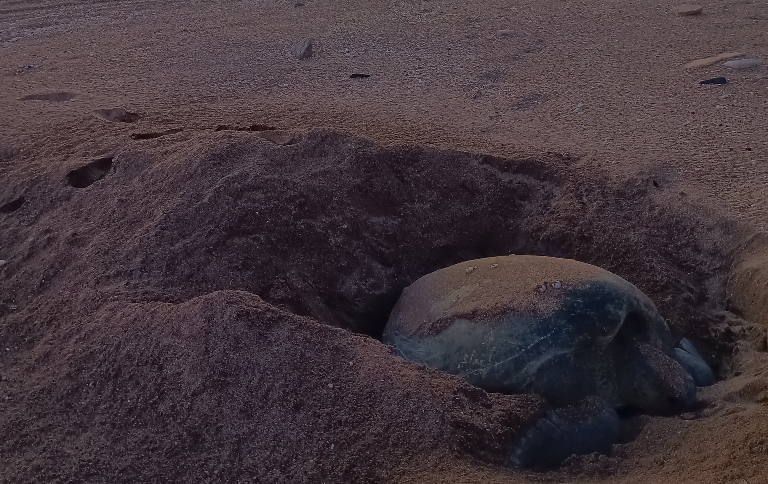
(583, 338)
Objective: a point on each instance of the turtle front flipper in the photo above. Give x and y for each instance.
(591, 426)
(692, 362)
(652, 382)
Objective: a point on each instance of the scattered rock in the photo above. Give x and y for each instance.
(3, 262)
(303, 50)
(715, 80)
(506, 33)
(359, 76)
(25, 68)
(687, 10)
(708, 61)
(743, 63)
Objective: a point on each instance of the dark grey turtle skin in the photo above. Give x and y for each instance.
(688, 356)
(568, 331)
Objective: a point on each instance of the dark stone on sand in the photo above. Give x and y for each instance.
(687, 10)
(359, 76)
(715, 80)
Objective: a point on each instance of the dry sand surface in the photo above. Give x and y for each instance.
(201, 235)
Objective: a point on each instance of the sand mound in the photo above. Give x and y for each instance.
(225, 386)
(128, 353)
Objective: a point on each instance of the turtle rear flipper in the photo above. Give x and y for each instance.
(591, 426)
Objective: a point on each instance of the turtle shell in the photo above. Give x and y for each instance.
(560, 328)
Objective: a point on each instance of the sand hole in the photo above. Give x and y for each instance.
(50, 96)
(117, 115)
(13, 205)
(335, 227)
(89, 174)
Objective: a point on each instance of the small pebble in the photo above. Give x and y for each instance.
(557, 285)
(715, 80)
(687, 10)
(3, 262)
(541, 288)
(743, 63)
(494, 266)
(330, 385)
(359, 76)
(470, 269)
(506, 33)
(303, 50)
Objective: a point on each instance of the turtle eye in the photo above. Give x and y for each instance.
(633, 329)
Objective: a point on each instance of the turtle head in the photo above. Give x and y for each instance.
(650, 381)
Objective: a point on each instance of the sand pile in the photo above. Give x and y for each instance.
(207, 314)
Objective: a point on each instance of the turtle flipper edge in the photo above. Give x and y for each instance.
(591, 426)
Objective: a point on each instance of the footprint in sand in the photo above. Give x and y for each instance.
(117, 115)
(89, 174)
(13, 205)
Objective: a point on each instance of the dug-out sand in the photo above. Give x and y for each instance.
(213, 314)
